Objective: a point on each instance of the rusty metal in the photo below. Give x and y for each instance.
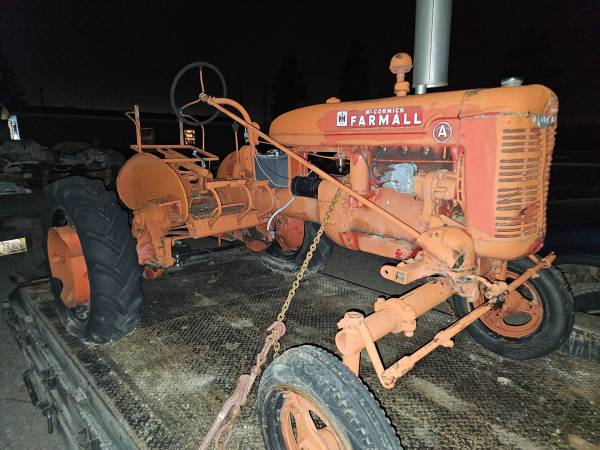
(518, 316)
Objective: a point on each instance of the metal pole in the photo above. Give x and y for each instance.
(432, 44)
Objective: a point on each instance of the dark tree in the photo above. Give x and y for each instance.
(353, 83)
(289, 88)
(11, 92)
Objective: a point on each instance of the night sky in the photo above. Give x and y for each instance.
(109, 54)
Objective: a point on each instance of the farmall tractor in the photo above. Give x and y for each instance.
(451, 186)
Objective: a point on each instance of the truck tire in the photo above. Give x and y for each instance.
(279, 260)
(549, 303)
(102, 228)
(307, 393)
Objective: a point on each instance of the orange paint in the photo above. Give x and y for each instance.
(67, 263)
(452, 184)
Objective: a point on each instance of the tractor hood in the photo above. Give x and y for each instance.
(395, 120)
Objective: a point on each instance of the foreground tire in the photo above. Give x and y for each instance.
(535, 320)
(307, 398)
(83, 213)
(279, 260)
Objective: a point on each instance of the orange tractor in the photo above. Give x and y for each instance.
(450, 185)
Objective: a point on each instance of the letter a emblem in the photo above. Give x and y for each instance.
(442, 132)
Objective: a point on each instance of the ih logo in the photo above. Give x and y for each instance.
(442, 132)
(342, 118)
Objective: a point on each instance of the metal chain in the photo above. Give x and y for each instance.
(303, 268)
(222, 427)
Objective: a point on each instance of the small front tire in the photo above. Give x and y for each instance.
(550, 324)
(307, 398)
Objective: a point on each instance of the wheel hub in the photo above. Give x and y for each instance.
(519, 316)
(67, 263)
(304, 427)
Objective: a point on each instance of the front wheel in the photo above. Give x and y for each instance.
(533, 321)
(307, 398)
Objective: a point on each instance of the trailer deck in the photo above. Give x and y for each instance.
(201, 326)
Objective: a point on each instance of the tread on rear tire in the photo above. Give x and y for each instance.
(110, 255)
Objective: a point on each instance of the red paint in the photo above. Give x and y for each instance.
(399, 254)
(455, 152)
(537, 246)
(479, 139)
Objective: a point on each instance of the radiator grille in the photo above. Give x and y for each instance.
(522, 181)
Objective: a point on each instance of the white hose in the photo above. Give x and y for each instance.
(288, 203)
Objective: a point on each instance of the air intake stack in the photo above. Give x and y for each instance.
(432, 44)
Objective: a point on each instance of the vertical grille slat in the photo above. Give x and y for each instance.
(522, 181)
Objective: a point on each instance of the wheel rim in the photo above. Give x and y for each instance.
(67, 264)
(304, 427)
(519, 316)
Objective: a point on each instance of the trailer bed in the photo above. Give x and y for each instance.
(201, 326)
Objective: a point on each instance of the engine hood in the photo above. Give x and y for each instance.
(395, 120)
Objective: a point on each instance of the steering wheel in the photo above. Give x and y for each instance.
(188, 120)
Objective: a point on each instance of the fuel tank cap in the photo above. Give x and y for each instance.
(511, 81)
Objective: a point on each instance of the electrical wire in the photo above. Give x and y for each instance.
(288, 203)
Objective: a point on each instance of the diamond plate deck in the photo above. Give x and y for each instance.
(202, 325)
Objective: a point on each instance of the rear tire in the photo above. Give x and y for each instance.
(279, 260)
(338, 400)
(102, 226)
(556, 322)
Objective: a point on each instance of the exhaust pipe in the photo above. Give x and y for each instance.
(432, 44)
